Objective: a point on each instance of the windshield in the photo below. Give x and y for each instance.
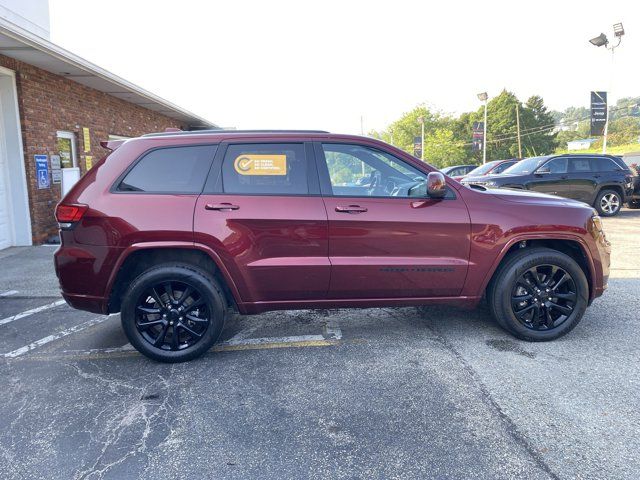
(482, 169)
(525, 166)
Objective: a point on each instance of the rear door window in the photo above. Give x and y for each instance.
(170, 170)
(265, 169)
(580, 165)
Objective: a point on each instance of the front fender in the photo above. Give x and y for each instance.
(528, 237)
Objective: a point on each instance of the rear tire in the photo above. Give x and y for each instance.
(173, 312)
(532, 282)
(608, 203)
(633, 204)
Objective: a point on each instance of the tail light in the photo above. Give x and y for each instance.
(67, 215)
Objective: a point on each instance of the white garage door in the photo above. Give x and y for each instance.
(6, 228)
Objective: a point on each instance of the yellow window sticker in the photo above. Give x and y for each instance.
(254, 164)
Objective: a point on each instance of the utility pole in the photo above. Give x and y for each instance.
(484, 144)
(421, 121)
(484, 97)
(609, 102)
(518, 123)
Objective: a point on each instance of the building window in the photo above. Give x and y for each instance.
(67, 149)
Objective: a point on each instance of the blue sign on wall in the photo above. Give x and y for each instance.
(42, 171)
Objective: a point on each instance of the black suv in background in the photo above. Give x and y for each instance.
(603, 181)
(632, 160)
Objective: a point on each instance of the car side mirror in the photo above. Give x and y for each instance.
(543, 170)
(436, 185)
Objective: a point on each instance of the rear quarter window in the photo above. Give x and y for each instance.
(170, 170)
(604, 165)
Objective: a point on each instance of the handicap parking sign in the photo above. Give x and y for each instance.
(42, 171)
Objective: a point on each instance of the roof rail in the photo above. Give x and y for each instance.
(227, 132)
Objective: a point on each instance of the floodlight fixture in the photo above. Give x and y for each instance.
(618, 30)
(600, 41)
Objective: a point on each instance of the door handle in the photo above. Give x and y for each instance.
(564, 177)
(351, 209)
(221, 206)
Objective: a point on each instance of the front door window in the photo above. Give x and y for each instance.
(358, 171)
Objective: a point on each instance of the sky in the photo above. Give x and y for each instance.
(333, 65)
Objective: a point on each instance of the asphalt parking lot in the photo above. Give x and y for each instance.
(380, 393)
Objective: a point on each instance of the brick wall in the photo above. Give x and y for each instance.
(49, 103)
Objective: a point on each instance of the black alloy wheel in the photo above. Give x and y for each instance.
(173, 312)
(538, 294)
(172, 315)
(543, 297)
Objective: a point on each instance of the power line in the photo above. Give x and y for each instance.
(612, 109)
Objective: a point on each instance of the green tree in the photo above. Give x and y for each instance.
(402, 132)
(537, 125)
(582, 131)
(573, 115)
(501, 126)
(625, 107)
(442, 148)
(624, 130)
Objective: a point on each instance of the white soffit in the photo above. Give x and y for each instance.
(18, 43)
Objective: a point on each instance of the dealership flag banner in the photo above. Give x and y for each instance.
(598, 112)
(417, 147)
(478, 135)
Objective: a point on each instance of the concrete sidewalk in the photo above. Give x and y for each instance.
(28, 271)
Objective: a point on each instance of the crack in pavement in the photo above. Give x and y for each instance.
(137, 411)
(511, 427)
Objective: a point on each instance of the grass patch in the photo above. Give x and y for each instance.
(615, 150)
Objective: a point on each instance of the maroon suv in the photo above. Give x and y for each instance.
(173, 230)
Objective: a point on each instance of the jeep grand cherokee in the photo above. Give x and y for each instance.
(174, 230)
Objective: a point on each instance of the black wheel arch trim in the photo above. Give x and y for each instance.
(509, 245)
(111, 289)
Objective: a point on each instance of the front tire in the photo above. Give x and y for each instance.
(608, 203)
(538, 294)
(173, 313)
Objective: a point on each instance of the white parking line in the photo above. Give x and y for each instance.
(92, 351)
(8, 293)
(55, 336)
(331, 334)
(242, 334)
(266, 340)
(332, 331)
(26, 313)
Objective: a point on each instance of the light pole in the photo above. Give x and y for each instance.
(483, 97)
(602, 41)
(421, 122)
